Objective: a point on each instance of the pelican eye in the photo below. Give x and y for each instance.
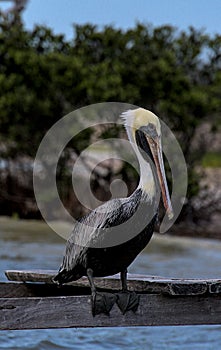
(150, 130)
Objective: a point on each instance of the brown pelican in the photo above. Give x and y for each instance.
(98, 259)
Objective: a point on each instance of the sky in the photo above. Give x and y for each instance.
(61, 14)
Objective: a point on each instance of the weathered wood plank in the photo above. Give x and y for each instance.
(164, 301)
(75, 311)
(30, 275)
(139, 283)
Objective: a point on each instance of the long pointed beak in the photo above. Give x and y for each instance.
(155, 147)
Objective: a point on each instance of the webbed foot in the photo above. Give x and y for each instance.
(127, 300)
(102, 303)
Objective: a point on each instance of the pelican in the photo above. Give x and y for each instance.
(87, 253)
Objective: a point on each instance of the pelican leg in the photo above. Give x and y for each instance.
(100, 302)
(126, 300)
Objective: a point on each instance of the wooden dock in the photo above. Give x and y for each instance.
(32, 301)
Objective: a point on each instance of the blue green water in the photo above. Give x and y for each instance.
(31, 245)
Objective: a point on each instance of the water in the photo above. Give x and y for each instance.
(31, 245)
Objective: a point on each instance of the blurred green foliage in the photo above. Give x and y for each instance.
(43, 76)
(211, 159)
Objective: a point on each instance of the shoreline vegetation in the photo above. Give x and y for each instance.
(43, 76)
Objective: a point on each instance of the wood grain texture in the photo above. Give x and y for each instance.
(139, 283)
(75, 311)
(38, 303)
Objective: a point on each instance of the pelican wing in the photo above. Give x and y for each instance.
(94, 229)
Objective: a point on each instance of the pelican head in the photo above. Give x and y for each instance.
(144, 132)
